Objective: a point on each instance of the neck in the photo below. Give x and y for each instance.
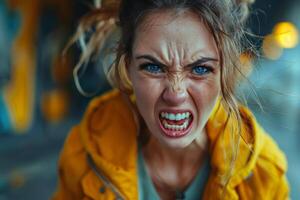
(155, 150)
(173, 168)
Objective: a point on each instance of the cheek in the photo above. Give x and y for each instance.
(147, 92)
(208, 87)
(205, 94)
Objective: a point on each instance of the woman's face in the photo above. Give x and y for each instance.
(175, 73)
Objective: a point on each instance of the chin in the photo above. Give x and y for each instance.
(175, 142)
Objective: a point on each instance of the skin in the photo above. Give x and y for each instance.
(173, 162)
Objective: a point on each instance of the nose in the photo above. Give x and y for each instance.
(174, 96)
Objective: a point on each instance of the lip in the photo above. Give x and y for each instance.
(175, 134)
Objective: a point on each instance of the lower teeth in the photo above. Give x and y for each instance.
(176, 127)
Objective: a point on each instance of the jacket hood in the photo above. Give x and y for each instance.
(108, 134)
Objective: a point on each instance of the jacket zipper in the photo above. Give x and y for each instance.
(104, 179)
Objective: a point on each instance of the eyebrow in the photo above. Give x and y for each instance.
(197, 62)
(151, 58)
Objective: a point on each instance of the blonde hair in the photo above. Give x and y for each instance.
(225, 19)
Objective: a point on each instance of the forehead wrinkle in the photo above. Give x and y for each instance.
(165, 54)
(173, 51)
(173, 58)
(177, 58)
(161, 53)
(175, 54)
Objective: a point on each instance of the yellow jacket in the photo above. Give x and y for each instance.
(99, 158)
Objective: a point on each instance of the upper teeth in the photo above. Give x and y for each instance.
(177, 117)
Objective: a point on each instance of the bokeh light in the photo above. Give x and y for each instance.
(270, 48)
(55, 105)
(286, 35)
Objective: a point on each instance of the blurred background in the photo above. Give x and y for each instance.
(39, 101)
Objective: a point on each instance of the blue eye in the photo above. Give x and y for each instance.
(201, 70)
(152, 68)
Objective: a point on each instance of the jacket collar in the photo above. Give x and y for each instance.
(109, 135)
(223, 135)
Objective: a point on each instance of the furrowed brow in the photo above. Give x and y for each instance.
(150, 58)
(197, 62)
(201, 61)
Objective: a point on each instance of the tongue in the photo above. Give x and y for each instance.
(174, 122)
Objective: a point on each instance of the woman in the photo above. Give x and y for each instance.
(173, 129)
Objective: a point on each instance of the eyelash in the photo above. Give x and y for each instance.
(207, 69)
(146, 67)
(157, 69)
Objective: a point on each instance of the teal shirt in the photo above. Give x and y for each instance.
(147, 190)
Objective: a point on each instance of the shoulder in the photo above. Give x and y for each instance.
(112, 100)
(107, 102)
(265, 147)
(105, 110)
(107, 123)
(93, 135)
(102, 126)
(269, 165)
(99, 116)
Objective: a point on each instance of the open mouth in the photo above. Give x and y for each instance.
(175, 124)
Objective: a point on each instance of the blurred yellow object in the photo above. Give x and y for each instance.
(20, 91)
(286, 35)
(55, 105)
(270, 48)
(17, 179)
